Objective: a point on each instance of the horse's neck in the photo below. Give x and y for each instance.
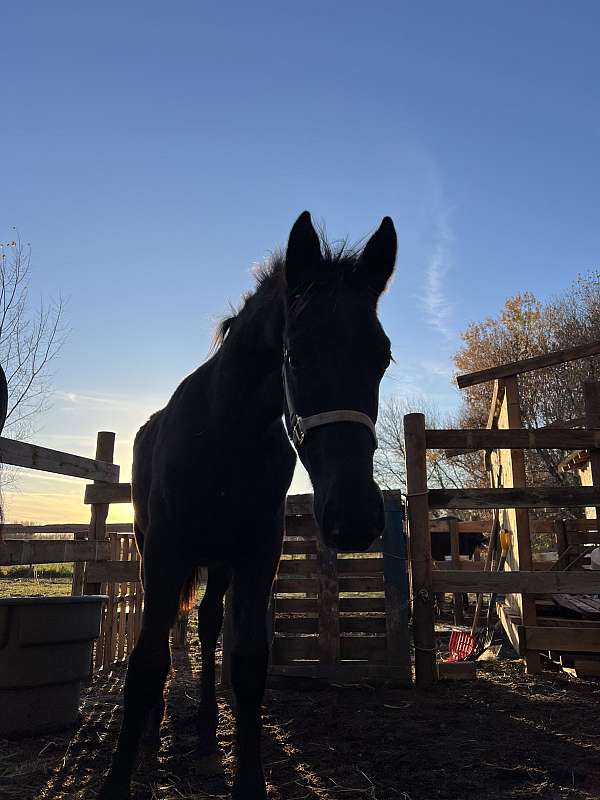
(248, 382)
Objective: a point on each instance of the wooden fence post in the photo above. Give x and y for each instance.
(420, 549)
(105, 449)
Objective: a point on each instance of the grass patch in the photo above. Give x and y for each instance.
(23, 587)
(37, 571)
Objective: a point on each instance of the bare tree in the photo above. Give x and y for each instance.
(30, 338)
(390, 461)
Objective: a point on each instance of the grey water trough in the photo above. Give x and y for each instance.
(45, 652)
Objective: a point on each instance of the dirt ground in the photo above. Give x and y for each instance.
(504, 735)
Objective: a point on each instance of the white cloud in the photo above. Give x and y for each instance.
(437, 305)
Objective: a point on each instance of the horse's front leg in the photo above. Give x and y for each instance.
(148, 666)
(249, 659)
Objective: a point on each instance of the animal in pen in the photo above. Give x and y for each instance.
(307, 345)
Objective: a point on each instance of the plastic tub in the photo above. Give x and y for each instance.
(45, 652)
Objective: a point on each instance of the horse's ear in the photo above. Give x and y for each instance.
(379, 256)
(303, 255)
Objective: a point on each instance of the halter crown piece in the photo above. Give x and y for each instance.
(299, 426)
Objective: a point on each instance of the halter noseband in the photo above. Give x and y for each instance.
(299, 426)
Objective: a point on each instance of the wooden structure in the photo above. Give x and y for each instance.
(96, 550)
(520, 579)
(341, 617)
(530, 614)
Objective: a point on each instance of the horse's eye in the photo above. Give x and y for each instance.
(294, 362)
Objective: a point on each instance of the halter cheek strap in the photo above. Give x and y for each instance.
(301, 425)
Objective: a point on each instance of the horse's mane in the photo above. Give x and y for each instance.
(339, 259)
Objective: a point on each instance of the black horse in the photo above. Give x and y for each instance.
(212, 469)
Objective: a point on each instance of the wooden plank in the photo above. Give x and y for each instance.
(472, 526)
(78, 569)
(495, 404)
(571, 622)
(367, 583)
(357, 605)
(367, 648)
(526, 497)
(296, 625)
(586, 606)
(542, 525)
(578, 539)
(301, 525)
(576, 640)
(420, 549)
(329, 618)
(363, 625)
(518, 582)
(58, 551)
(463, 564)
(299, 504)
(528, 364)
(26, 530)
(114, 591)
(511, 623)
(518, 438)
(32, 456)
(107, 493)
(292, 648)
(360, 566)
(105, 449)
(113, 571)
(298, 566)
(580, 525)
(293, 547)
(294, 585)
(296, 605)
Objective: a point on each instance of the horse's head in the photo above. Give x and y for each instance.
(336, 353)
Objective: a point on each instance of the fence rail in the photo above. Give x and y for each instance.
(32, 456)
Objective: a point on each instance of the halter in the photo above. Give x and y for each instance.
(301, 425)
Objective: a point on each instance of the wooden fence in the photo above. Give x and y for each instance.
(340, 617)
(104, 557)
(504, 440)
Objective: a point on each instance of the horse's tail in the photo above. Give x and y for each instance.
(190, 589)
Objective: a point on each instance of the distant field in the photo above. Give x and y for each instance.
(19, 587)
(47, 579)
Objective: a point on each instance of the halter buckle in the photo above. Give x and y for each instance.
(298, 432)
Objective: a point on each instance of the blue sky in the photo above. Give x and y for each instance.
(152, 152)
